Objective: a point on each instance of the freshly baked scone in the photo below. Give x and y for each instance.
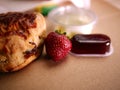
(22, 37)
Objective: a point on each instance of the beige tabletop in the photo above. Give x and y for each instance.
(75, 73)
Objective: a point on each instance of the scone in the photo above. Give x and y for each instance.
(22, 37)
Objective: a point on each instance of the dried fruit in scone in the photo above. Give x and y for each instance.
(22, 36)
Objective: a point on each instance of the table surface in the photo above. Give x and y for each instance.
(75, 73)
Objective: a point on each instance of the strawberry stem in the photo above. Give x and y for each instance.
(62, 32)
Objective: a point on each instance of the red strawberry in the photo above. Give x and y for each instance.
(57, 46)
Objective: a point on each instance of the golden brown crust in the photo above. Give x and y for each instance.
(12, 21)
(18, 50)
(16, 23)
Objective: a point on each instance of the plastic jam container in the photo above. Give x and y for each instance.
(91, 45)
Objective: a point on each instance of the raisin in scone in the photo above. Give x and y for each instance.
(21, 39)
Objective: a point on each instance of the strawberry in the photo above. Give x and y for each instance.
(57, 46)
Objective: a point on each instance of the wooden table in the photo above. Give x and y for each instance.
(75, 73)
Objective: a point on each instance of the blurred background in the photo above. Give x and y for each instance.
(20, 5)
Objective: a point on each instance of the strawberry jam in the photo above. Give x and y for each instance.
(90, 44)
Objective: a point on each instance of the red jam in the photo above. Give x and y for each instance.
(90, 44)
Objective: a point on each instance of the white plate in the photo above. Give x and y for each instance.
(3, 10)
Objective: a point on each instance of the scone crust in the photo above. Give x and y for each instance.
(21, 39)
